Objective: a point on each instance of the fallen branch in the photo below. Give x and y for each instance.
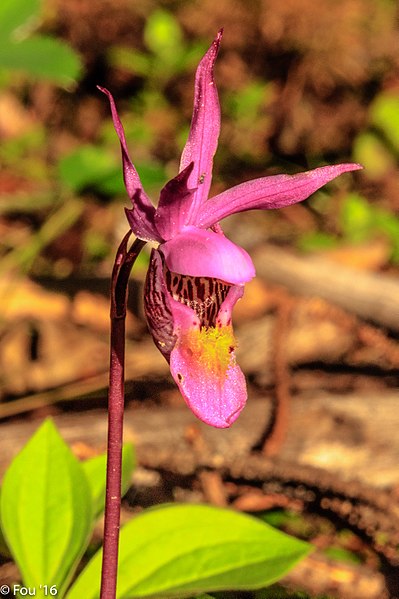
(373, 296)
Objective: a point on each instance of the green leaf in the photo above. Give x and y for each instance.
(38, 56)
(343, 555)
(180, 551)
(356, 218)
(373, 154)
(245, 103)
(15, 13)
(360, 220)
(87, 167)
(133, 61)
(24, 255)
(95, 470)
(316, 241)
(4, 551)
(163, 36)
(151, 174)
(387, 223)
(95, 167)
(385, 115)
(43, 57)
(276, 591)
(46, 512)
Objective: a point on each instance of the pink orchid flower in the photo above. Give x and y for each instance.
(196, 275)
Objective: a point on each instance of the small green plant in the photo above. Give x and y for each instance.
(50, 503)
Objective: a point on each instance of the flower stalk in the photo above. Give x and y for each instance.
(123, 265)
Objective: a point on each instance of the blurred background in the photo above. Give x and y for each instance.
(301, 84)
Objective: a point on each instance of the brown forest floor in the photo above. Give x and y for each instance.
(318, 337)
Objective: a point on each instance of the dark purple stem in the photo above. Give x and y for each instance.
(119, 293)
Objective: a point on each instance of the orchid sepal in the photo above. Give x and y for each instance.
(267, 193)
(204, 130)
(141, 215)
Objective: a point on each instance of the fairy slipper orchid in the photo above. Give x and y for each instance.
(196, 275)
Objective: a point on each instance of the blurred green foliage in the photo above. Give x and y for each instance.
(36, 55)
(167, 53)
(247, 108)
(166, 56)
(359, 221)
(377, 148)
(371, 151)
(384, 114)
(98, 168)
(22, 154)
(283, 99)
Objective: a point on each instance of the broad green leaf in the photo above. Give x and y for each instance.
(95, 470)
(183, 550)
(44, 57)
(17, 13)
(46, 512)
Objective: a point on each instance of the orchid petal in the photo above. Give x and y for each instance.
(199, 253)
(266, 193)
(174, 204)
(224, 315)
(204, 132)
(157, 306)
(141, 216)
(204, 367)
(141, 219)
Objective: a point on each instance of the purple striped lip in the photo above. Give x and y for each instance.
(201, 294)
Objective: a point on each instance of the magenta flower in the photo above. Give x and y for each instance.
(196, 275)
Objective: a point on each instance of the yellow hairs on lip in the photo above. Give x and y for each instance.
(212, 347)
